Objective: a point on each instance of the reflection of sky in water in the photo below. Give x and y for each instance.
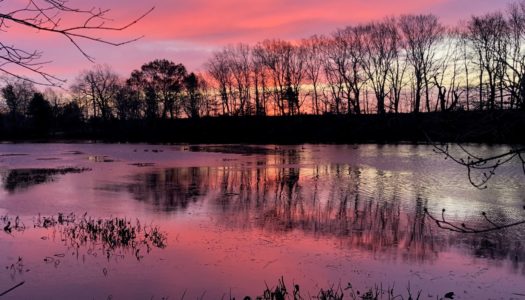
(316, 214)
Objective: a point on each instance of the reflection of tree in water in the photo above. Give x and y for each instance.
(171, 189)
(16, 180)
(359, 207)
(498, 246)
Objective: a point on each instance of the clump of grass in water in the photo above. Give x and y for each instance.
(110, 233)
(10, 225)
(280, 292)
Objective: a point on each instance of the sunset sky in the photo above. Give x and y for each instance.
(188, 31)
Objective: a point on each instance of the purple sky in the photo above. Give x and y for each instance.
(188, 31)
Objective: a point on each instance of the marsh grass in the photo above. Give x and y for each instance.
(108, 235)
(9, 224)
(281, 292)
(105, 234)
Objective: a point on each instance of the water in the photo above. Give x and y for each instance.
(236, 218)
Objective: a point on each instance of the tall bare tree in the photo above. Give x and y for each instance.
(381, 43)
(240, 64)
(487, 35)
(345, 57)
(313, 49)
(219, 69)
(98, 86)
(515, 60)
(285, 63)
(260, 80)
(421, 34)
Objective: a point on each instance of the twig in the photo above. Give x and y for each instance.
(9, 290)
(463, 228)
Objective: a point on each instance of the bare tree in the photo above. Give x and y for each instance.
(421, 33)
(381, 43)
(17, 94)
(55, 16)
(285, 64)
(239, 61)
(219, 69)
(313, 49)
(487, 36)
(345, 57)
(396, 79)
(99, 87)
(515, 60)
(260, 80)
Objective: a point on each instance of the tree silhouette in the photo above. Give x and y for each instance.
(381, 45)
(17, 95)
(70, 116)
(193, 99)
(163, 81)
(421, 33)
(58, 17)
(97, 89)
(40, 112)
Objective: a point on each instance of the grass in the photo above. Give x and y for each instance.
(281, 292)
(105, 234)
(110, 233)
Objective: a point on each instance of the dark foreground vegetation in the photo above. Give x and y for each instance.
(477, 126)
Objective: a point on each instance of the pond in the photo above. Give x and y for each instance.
(138, 221)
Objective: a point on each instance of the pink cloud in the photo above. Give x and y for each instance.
(187, 31)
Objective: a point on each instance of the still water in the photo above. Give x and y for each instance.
(216, 220)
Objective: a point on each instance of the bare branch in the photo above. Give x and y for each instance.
(47, 16)
(463, 228)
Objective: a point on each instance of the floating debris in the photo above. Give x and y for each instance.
(74, 152)
(13, 154)
(142, 165)
(100, 158)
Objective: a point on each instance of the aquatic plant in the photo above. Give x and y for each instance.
(280, 292)
(10, 225)
(108, 234)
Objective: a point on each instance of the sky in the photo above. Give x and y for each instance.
(188, 31)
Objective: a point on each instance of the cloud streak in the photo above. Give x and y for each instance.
(187, 31)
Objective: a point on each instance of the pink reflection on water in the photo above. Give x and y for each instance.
(316, 215)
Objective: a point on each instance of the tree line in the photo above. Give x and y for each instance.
(410, 63)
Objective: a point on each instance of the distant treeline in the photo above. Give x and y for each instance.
(501, 126)
(405, 64)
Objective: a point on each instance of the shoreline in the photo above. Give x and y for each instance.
(486, 127)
